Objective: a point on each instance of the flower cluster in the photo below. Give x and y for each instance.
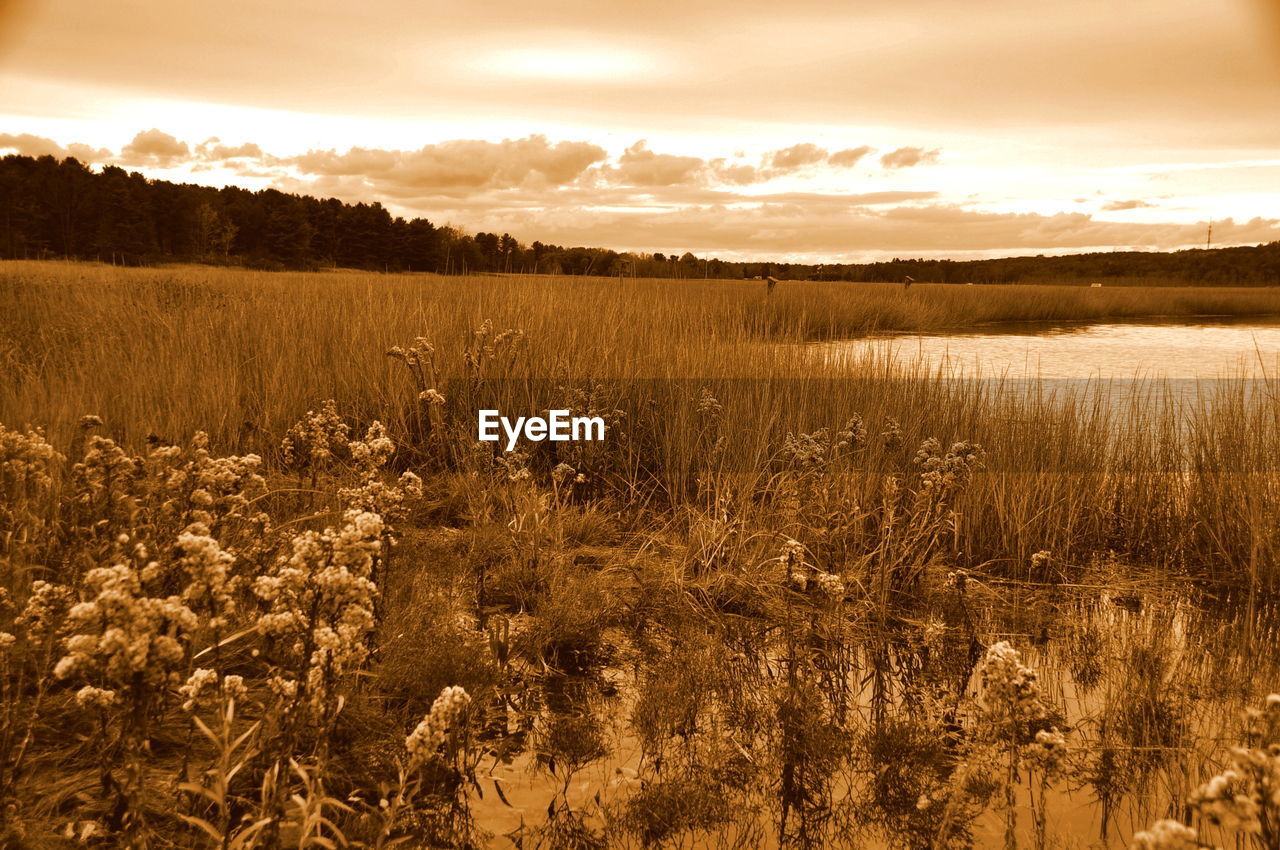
(1048, 752)
(1237, 798)
(807, 451)
(1041, 559)
(1166, 835)
(210, 587)
(97, 698)
(27, 464)
(486, 347)
(1229, 800)
(203, 681)
(416, 354)
(1244, 798)
(891, 436)
(426, 738)
(793, 553)
(830, 585)
(122, 636)
(514, 465)
(315, 440)
(802, 575)
(374, 450)
(320, 599)
(198, 487)
(200, 681)
(562, 474)
(420, 360)
(46, 610)
(1011, 697)
(708, 407)
(103, 482)
(26, 461)
(378, 497)
(853, 437)
(952, 471)
(374, 495)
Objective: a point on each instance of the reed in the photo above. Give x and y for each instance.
(1173, 484)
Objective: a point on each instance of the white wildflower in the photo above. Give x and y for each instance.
(91, 697)
(1166, 835)
(430, 733)
(830, 584)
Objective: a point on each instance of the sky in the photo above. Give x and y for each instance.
(812, 130)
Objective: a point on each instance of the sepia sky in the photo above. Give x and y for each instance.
(810, 130)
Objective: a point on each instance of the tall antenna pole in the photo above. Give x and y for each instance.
(1209, 237)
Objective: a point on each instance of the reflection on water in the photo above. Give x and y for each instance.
(1212, 348)
(1149, 683)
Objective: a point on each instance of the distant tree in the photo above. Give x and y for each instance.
(288, 233)
(421, 246)
(207, 224)
(125, 230)
(510, 250)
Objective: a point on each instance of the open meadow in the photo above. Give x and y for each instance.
(261, 586)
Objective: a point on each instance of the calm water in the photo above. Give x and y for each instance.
(1197, 349)
(1151, 691)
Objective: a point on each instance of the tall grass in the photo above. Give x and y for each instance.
(242, 355)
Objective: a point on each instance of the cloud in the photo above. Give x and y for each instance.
(212, 150)
(807, 154)
(154, 148)
(735, 175)
(909, 157)
(29, 145)
(1117, 206)
(453, 167)
(639, 166)
(458, 166)
(849, 157)
(796, 156)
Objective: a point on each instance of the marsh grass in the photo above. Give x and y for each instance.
(779, 581)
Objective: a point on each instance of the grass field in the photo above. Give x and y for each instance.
(770, 576)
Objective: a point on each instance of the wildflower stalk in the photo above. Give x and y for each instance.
(232, 753)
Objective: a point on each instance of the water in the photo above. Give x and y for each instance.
(1157, 350)
(1151, 684)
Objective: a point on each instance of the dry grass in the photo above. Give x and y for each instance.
(168, 350)
(242, 355)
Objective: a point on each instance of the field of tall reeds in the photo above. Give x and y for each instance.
(263, 587)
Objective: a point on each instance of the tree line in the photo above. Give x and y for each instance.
(62, 208)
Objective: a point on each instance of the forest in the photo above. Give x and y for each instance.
(52, 208)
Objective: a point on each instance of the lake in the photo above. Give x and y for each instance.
(1213, 347)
